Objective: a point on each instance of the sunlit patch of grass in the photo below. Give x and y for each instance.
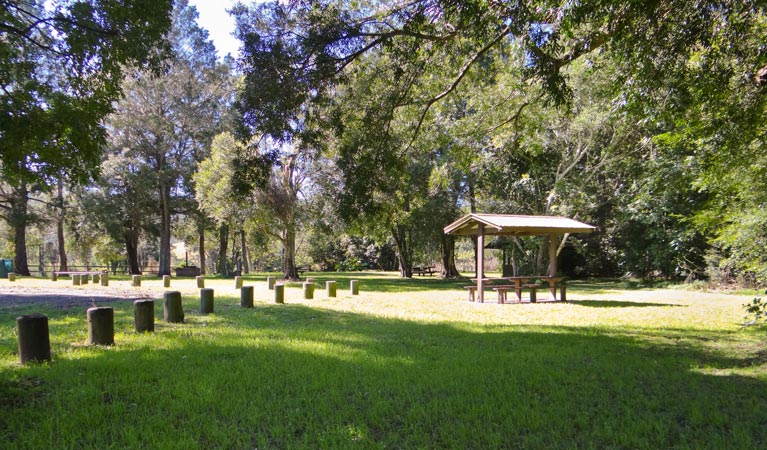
(398, 368)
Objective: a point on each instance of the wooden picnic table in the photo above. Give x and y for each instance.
(553, 282)
(520, 283)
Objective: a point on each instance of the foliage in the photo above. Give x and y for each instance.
(61, 65)
(756, 311)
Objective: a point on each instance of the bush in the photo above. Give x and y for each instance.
(756, 311)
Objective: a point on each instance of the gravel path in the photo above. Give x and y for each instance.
(68, 298)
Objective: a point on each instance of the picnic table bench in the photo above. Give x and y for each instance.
(519, 284)
(427, 270)
(79, 272)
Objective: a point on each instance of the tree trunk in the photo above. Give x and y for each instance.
(245, 264)
(447, 250)
(289, 252)
(18, 219)
(223, 244)
(201, 232)
(404, 250)
(164, 263)
(63, 262)
(473, 209)
(131, 248)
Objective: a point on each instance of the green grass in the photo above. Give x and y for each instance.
(408, 364)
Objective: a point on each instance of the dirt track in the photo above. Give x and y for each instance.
(66, 298)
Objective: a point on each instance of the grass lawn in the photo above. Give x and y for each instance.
(408, 364)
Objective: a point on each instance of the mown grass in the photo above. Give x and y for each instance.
(408, 364)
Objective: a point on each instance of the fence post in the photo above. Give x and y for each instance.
(173, 312)
(206, 301)
(246, 296)
(143, 315)
(279, 293)
(101, 326)
(34, 340)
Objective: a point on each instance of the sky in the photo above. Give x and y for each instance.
(220, 25)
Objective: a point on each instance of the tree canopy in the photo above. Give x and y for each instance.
(61, 67)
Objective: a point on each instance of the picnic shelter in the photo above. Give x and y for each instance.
(482, 225)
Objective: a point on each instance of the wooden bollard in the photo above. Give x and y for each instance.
(54, 277)
(330, 286)
(308, 291)
(246, 296)
(200, 281)
(34, 341)
(84, 279)
(136, 280)
(173, 312)
(206, 301)
(279, 293)
(166, 281)
(237, 282)
(101, 326)
(75, 280)
(95, 278)
(270, 281)
(11, 276)
(105, 279)
(143, 315)
(354, 287)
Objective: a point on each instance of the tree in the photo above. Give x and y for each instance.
(61, 65)
(168, 119)
(117, 204)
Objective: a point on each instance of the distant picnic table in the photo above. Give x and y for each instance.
(426, 270)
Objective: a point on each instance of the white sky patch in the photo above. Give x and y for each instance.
(220, 25)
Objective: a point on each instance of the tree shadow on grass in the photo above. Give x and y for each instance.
(293, 376)
(622, 304)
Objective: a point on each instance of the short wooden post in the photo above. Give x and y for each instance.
(84, 279)
(166, 281)
(309, 280)
(11, 277)
(237, 282)
(279, 293)
(95, 278)
(75, 280)
(270, 281)
(308, 291)
(143, 315)
(200, 281)
(206, 301)
(354, 287)
(54, 276)
(173, 312)
(533, 298)
(563, 292)
(330, 286)
(34, 341)
(136, 280)
(105, 279)
(101, 326)
(246, 296)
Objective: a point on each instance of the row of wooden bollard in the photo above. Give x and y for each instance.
(34, 339)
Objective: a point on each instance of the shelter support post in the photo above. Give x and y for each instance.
(481, 263)
(553, 245)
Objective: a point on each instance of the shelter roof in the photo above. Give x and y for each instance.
(516, 225)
